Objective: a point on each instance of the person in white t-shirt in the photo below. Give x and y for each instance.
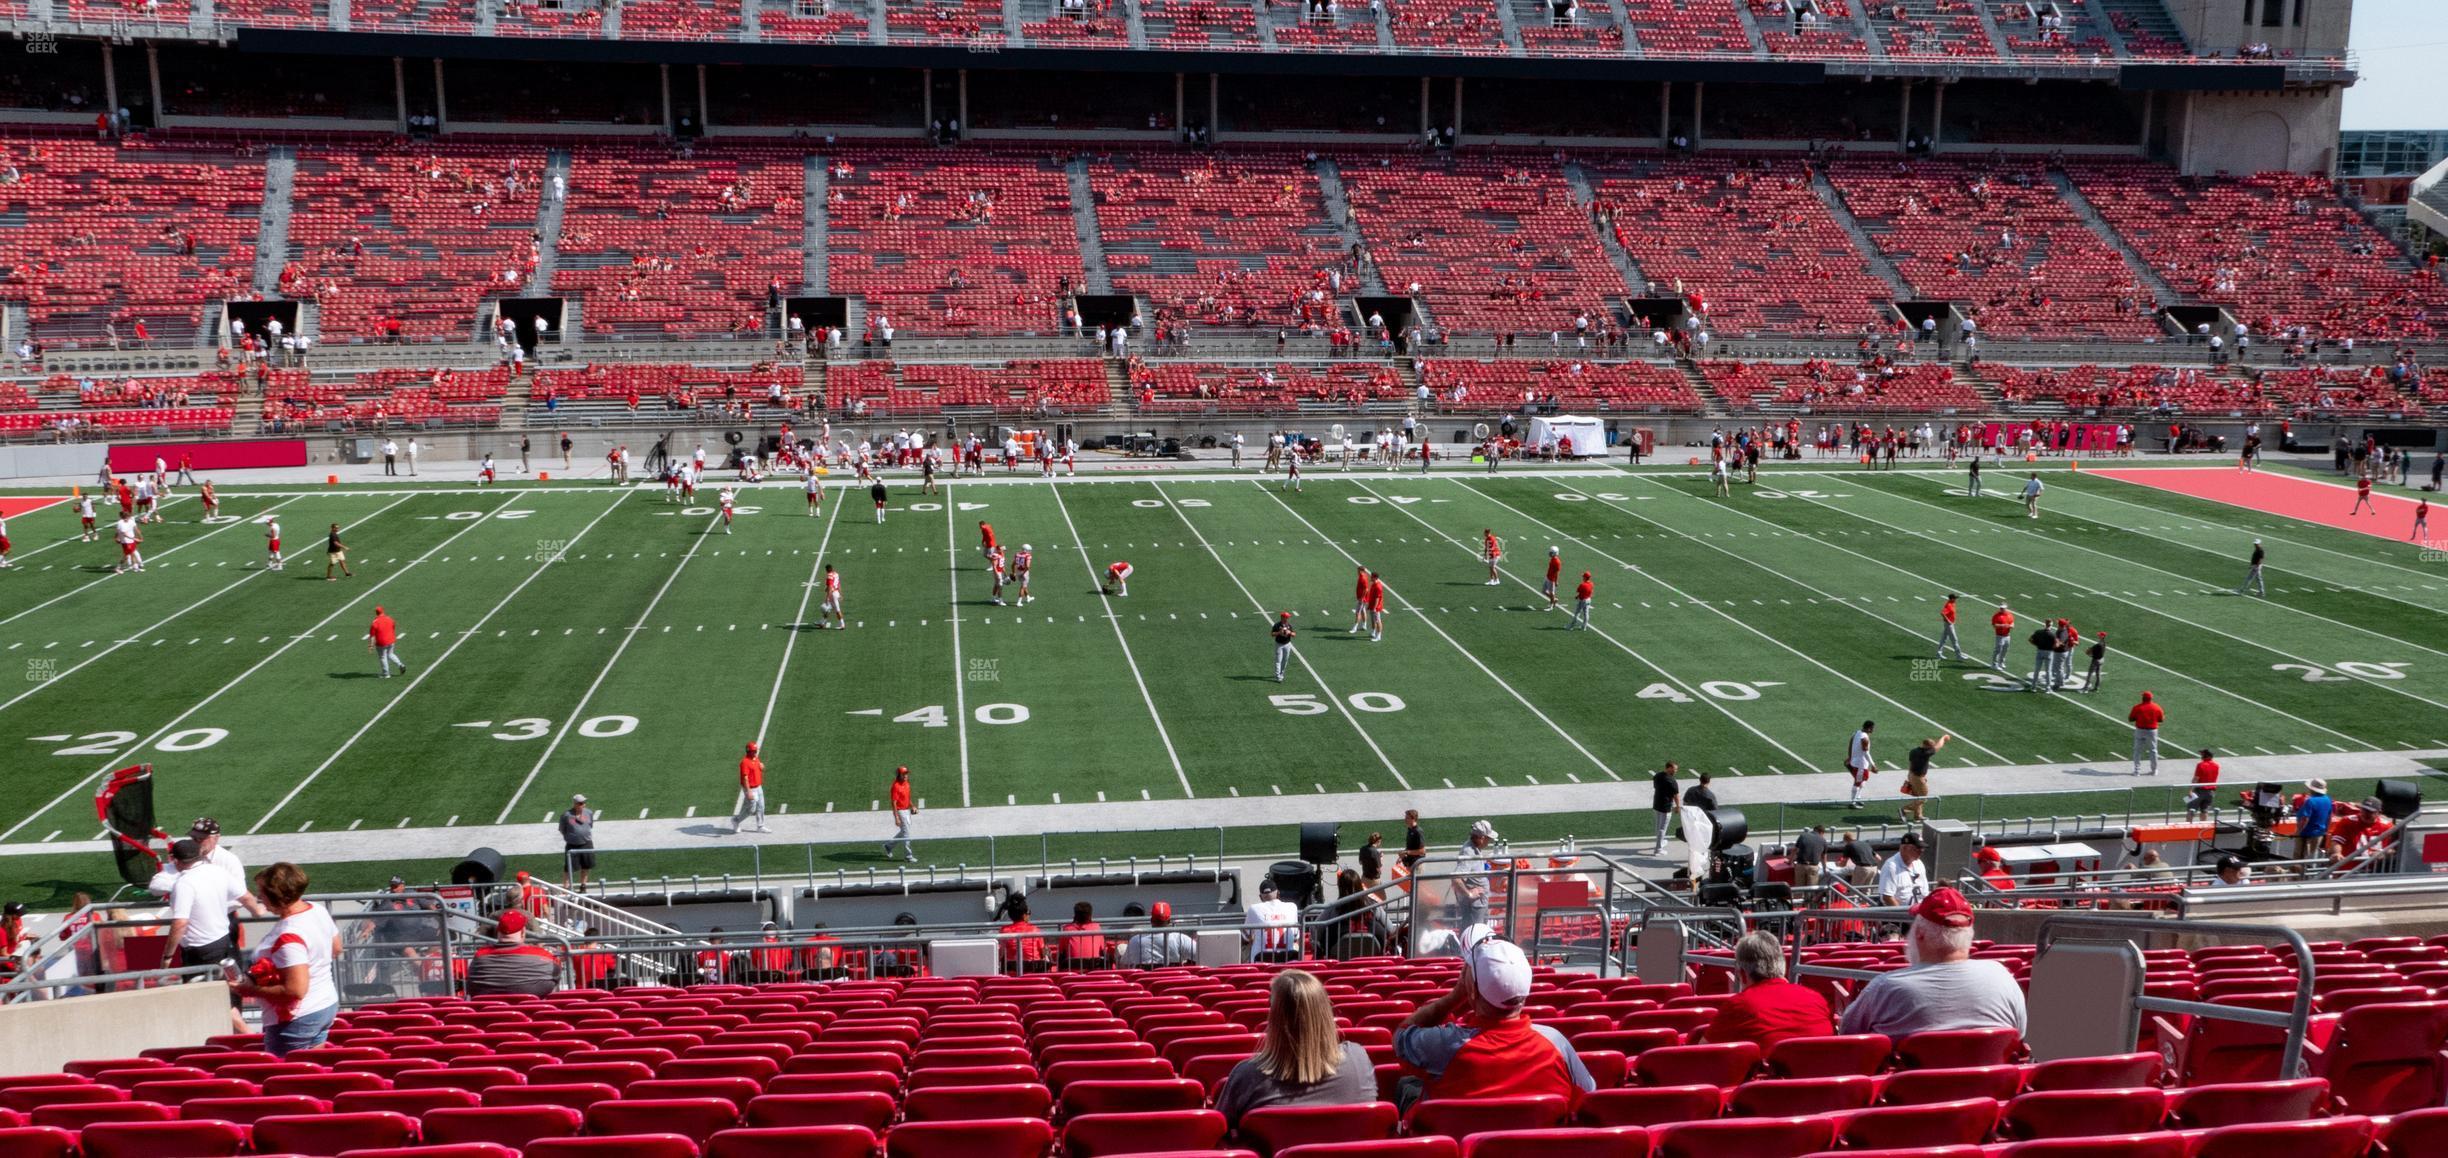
(290, 973)
(201, 897)
(1275, 933)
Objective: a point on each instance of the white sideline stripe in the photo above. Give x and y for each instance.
(1720, 612)
(64, 541)
(1864, 606)
(428, 669)
(259, 665)
(2265, 534)
(627, 637)
(960, 672)
(1601, 633)
(1415, 609)
(1340, 707)
(164, 555)
(1088, 561)
(2162, 667)
(140, 633)
(791, 643)
(2256, 644)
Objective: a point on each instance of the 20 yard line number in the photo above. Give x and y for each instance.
(111, 743)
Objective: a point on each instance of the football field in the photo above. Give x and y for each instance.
(566, 638)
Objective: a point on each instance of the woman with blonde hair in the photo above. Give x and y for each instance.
(1304, 1061)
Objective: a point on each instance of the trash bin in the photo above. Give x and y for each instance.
(1296, 881)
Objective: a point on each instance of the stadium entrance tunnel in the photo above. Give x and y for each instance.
(1946, 314)
(1397, 313)
(1105, 309)
(816, 313)
(2189, 320)
(1655, 313)
(258, 317)
(523, 314)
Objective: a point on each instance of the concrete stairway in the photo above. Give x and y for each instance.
(272, 220)
(2135, 263)
(1338, 208)
(1879, 264)
(548, 221)
(1084, 219)
(1751, 28)
(815, 257)
(1585, 194)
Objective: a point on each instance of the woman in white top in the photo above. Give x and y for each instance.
(290, 972)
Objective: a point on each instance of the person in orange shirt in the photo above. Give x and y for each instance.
(904, 810)
(1946, 629)
(986, 536)
(1493, 551)
(2146, 717)
(1360, 602)
(752, 791)
(2001, 622)
(1376, 607)
(1555, 573)
(380, 636)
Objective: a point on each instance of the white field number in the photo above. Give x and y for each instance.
(1159, 504)
(2352, 668)
(935, 715)
(710, 512)
(1997, 682)
(537, 727)
(1714, 689)
(1304, 704)
(472, 516)
(110, 743)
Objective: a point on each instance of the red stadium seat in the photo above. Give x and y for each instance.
(621, 1146)
(575, 1095)
(1432, 1146)
(1744, 1138)
(321, 1135)
(2418, 1132)
(2073, 1113)
(1560, 1142)
(810, 1141)
(1792, 1096)
(1269, 1129)
(2207, 1107)
(2164, 1144)
(1829, 1057)
(414, 1103)
(1099, 1135)
(2389, 1058)
(2117, 1072)
(961, 1103)
(2319, 1138)
(1962, 1123)
(1724, 1064)
(512, 1126)
(37, 1142)
(1132, 1097)
(868, 1110)
(1651, 1105)
(80, 1115)
(696, 1119)
(1959, 1048)
(992, 1138)
(244, 1111)
(1920, 1087)
(323, 1086)
(207, 1139)
(1462, 1117)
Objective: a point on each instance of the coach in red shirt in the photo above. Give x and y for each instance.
(1769, 1009)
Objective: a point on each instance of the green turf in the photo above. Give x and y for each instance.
(588, 639)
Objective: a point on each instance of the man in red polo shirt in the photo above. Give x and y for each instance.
(751, 791)
(2205, 785)
(1476, 1041)
(2002, 622)
(1769, 1009)
(1946, 629)
(2146, 717)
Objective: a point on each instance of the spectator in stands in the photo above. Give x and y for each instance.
(291, 975)
(2231, 873)
(510, 964)
(1273, 932)
(1476, 1041)
(1769, 1008)
(1083, 944)
(1023, 954)
(1161, 944)
(1942, 987)
(1903, 881)
(2313, 811)
(1304, 1060)
(1809, 854)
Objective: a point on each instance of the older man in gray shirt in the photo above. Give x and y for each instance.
(1943, 987)
(577, 843)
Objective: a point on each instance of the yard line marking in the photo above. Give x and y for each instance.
(165, 621)
(430, 667)
(1738, 622)
(1306, 666)
(1905, 628)
(1695, 693)
(2252, 643)
(172, 551)
(791, 641)
(577, 713)
(243, 676)
(1414, 609)
(960, 671)
(1089, 562)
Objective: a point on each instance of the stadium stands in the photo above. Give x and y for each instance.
(1211, 388)
(1221, 240)
(980, 247)
(112, 235)
(658, 244)
(404, 241)
(1496, 245)
(1819, 386)
(1568, 385)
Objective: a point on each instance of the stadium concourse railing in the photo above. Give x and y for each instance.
(389, 941)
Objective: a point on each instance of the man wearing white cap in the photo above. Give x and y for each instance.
(1476, 1041)
(1943, 987)
(1470, 884)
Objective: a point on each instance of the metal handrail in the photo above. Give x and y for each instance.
(25, 988)
(2296, 1023)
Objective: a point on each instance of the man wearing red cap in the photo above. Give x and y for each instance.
(752, 791)
(2146, 717)
(1161, 944)
(1942, 987)
(1581, 603)
(380, 636)
(511, 965)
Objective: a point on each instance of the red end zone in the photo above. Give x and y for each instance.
(2295, 497)
(11, 507)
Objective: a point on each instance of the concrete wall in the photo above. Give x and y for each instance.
(2219, 27)
(41, 1036)
(2243, 133)
(41, 461)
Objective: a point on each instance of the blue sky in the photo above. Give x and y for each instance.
(2403, 47)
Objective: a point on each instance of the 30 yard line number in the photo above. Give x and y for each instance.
(537, 727)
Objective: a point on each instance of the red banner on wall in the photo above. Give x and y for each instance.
(135, 457)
